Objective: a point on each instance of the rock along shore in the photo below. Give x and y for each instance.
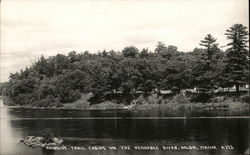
(34, 141)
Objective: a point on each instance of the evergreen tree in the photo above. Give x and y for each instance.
(210, 45)
(236, 71)
(204, 74)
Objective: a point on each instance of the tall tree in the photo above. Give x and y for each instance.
(144, 53)
(237, 63)
(204, 73)
(210, 45)
(165, 51)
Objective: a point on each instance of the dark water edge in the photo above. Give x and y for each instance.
(89, 128)
(123, 113)
(193, 107)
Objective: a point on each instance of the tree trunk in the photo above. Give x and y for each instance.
(237, 87)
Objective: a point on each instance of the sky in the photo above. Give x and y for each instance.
(30, 29)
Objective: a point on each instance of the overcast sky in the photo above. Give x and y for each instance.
(32, 28)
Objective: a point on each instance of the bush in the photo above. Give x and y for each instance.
(49, 101)
(245, 98)
(139, 100)
(8, 101)
(152, 99)
(70, 96)
(48, 135)
(180, 99)
(25, 99)
(217, 99)
(202, 97)
(107, 105)
(82, 103)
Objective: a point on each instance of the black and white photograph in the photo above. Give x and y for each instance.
(124, 77)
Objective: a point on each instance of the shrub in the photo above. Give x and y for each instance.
(8, 101)
(180, 99)
(49, 101)
(139, 100)
(107, 105)
(154, 99)
(70, 96)
(48, 135)
(82, 103)
(217, 99)
(202, 97)
(245, 98)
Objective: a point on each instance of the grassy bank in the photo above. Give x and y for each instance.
(178, 102)
(192, 106)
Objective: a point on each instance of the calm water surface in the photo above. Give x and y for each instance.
(127, 128)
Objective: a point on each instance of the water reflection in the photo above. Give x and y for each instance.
(62, 113)
(117, 132)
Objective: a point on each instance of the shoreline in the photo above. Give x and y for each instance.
(138, 118)
(190, 107)
(178, 102)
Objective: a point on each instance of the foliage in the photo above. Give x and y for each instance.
(201, 97)
(165, 51)
(130, 51)
(237, 68)
(180, 99)
(2, 86)
(245, 98)
(210, 45)
(82, 103)
(48, 135)
(107, 105)
(58, 79)
(49, 101)
(210, 66)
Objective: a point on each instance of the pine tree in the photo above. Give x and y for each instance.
(211, 46)
(204, 74)
(237, 64)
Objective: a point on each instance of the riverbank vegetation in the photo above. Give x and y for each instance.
(134, 78)
(177, 102)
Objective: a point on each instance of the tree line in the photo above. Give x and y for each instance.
(64, 78)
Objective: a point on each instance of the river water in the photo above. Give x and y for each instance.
(178, 131)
